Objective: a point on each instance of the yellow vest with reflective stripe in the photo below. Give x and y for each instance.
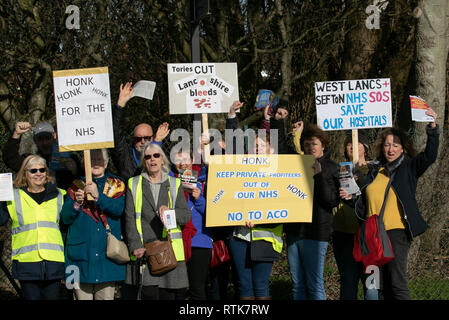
(273, 235)
(135, 185)
(35, 228)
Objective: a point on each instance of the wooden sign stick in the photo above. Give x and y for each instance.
(206, 131)
(355, 146)
(88, 170)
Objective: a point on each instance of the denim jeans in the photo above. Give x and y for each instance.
(350, 270)
(253, 277)
(306, 261)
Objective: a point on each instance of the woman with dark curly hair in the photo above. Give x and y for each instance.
(307, 242)
(396, 160)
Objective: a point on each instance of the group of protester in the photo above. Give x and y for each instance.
(59, 220)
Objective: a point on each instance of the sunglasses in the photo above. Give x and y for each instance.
(145, 138)
(154, 155)
(33, 171)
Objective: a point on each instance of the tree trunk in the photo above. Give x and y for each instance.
(431, 73)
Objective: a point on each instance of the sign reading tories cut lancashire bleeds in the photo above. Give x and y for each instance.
(259, 188)
(353, 104)
(83, 109)
(202, 87)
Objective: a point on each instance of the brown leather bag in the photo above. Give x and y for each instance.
(160, 255)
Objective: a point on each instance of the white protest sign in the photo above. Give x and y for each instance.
(353, 104)
(6, 190)
(83, 109)
(202, 87)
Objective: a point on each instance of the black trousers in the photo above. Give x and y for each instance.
(394, 285)
(40, 290)
(156, 293)
(198, 269)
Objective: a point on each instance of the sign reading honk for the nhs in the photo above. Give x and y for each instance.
(202, 87)
(83, 109)
(260, 189)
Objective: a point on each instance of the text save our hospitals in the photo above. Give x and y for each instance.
(353, 104)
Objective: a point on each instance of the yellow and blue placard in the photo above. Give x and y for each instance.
(259, 188)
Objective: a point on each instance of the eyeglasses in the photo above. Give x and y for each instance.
(154, 155)
(139, 139)
(34, 170)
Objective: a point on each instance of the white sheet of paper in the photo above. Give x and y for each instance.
(6, 193)
(144, 89)
(170, 219)
(419, 115)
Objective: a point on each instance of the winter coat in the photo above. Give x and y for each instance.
(325, 197)
(125, 157)
(408, 170)
(87, 237)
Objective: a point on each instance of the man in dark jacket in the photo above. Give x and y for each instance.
(64, 166)
(126, 157)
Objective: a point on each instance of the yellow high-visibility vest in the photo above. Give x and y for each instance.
(35, 228)
(272, 235)
(135, 185)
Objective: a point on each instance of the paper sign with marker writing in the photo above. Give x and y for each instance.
(353, 104)
(83, 109)
(259, 188)
(202, 87)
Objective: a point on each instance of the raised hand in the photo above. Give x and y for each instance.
(126, 92)
(236, 105)
(21, 128)
(433, 114)
(298, 126)
(162, 132)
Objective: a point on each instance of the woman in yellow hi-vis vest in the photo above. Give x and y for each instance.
(144, 224)
(37, 247)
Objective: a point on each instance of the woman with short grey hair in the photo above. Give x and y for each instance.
(151, 194)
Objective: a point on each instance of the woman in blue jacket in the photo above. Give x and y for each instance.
(85, 252)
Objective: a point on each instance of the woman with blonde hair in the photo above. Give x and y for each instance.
(37, 247)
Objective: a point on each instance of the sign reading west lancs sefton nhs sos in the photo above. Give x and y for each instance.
(353, 104)
(83, 109)
(202, 87)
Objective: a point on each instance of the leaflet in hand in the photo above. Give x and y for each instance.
(6, 191)
(144, 89)
(346, 178)
(265, 97)
(188, 178)
(419, 107)
(169, 219)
